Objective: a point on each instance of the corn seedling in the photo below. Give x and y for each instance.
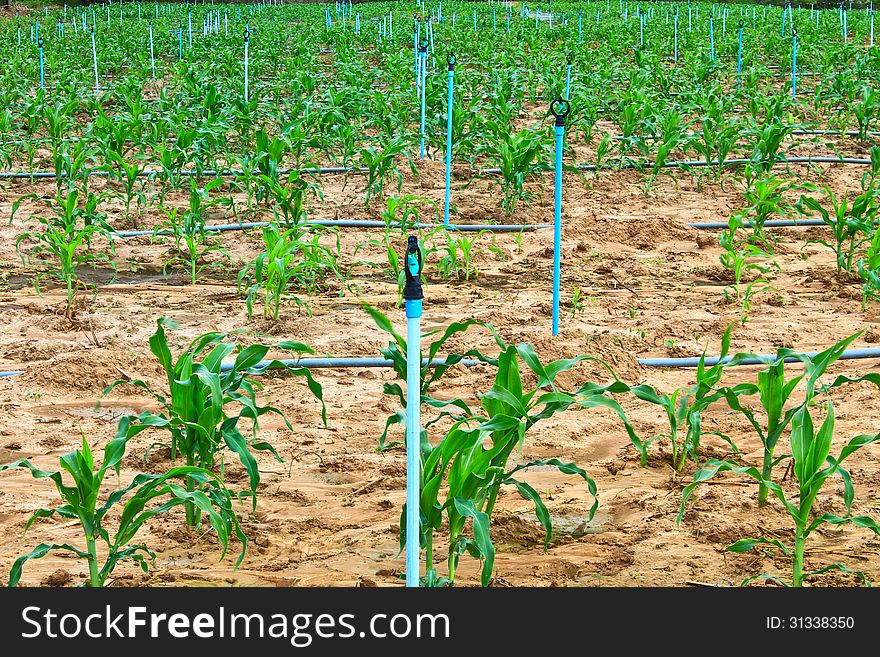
(64, 244)
(813, 465)
(774, 392)
(578, 301)
(852, 227)
(289, 258)
(147, 496)
(738, 257)
(458, 255)
(869, 271)
(684, 407)
(191, 242)
(472, 459)
(207, 402)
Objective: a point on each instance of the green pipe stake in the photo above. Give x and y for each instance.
(794, 62)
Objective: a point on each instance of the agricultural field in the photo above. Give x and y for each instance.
(720, 191)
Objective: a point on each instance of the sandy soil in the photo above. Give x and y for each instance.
(328, 515)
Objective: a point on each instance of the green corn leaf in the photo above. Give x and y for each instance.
(38, 553)
(481, 536)
(541, 511)
(865, 522)
(746, 544)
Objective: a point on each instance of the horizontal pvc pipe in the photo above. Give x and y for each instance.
(325, 363)
(712, 163)
(850, 354)
(23, 175)
(322, 363)
(846, 133)
(347, 223)
(771, 223)
(188, 172)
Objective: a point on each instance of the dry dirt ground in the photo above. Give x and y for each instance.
(328, 515)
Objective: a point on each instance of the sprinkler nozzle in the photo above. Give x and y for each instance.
(412, 291)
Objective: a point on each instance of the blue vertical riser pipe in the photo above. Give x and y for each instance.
(42, 69)
(793, 62)
(413, 295)
(568, 76)
(675, 29)
(152, 56)
(247, 38)
(450, 61)
(711, 38)
(423, 64)
(559, 108)
(739, 56)
(95, 63)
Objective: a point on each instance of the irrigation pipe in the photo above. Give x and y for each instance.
(23, 175)
(347, 223)
(331, 363)
(771, 223)
(850, 354)
(319, 363)
(705, 163)
(184, 172)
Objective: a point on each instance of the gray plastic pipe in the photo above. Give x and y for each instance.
(732, 162)
(771, 223)
(850, 354)
(322, 363)
(712, 163)
(14, 175)
(23, 175)
(845, 133)
(348, 223)
(326, 363)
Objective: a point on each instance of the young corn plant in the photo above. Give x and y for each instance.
(813, 465)
(741, 255)
(852, 227)
(381, 167)
(290, 259)
(473, 459)
(765, 197)
(869, 271)
(64, 244)
(519, 155)
(192, 243)
(457, 261)
(207, 399)
(146, 497)
(396, 353)
(684, 407)
(774, 392)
